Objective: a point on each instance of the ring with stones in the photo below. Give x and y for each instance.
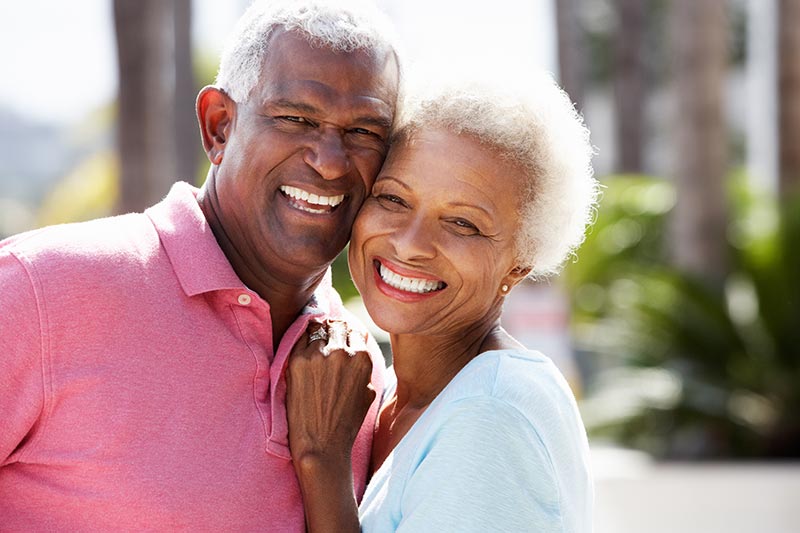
(320, 334)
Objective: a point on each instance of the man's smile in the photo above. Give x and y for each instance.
(310, 202)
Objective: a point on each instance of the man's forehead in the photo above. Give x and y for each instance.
(296, 72)
(310, 97)
(294, 42)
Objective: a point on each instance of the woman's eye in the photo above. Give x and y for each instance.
(390, 200)
(465, 226)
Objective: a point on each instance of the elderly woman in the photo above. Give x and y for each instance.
(481, 188)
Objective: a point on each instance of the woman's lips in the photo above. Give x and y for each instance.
(407, 281)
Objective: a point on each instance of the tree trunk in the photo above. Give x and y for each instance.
(149, 50)
(699, 42)
(761, 131)
(789, 96)
(187, 134)
(571, 66)
(629, 85)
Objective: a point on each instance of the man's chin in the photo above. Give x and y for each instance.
(308, 256)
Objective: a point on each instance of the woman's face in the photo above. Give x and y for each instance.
(435, 241)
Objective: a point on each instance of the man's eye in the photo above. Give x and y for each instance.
(365, 135)
(295, 120)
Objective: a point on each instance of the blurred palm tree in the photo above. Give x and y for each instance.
(629, 85)
(157, 132)
(700, 61)
(789, 95)
(571, 62)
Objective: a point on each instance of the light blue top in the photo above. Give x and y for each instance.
(501, 448)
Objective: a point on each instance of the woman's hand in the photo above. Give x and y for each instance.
(327, 397)
(328, 390)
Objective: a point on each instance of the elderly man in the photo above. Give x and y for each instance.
(142, 357)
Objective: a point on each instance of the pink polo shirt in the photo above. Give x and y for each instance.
(138, 385)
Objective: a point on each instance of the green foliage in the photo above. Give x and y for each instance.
(691, 370)
(89, 191)
(341, 277)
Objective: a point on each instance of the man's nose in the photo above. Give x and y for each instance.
(328, 155)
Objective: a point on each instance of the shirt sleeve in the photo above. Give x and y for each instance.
(21, 353)
(485, 470)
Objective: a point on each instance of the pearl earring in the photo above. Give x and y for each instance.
(504, 288)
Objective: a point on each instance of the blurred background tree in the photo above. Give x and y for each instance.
(157, 129)
(686, 299)
(788, 93)
(700, 60)
(682, 368)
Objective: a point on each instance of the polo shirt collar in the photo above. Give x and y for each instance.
(199, 263)
(197, 259)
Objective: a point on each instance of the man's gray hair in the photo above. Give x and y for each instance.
(528, 120)
(338, 25)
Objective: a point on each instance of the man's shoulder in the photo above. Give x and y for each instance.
(85, 247)
(91, 239)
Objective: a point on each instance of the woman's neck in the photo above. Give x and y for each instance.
(425, 364)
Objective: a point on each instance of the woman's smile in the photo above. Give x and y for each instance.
(403, 284)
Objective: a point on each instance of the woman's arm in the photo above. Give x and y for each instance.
(327, 398)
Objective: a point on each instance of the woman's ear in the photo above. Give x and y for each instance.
(215, 112)
(510, 280)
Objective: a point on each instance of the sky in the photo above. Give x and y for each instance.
(60, 58)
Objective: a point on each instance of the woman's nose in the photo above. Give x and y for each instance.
(414, 239)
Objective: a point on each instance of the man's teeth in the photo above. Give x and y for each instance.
(408, 284)
(310, 198)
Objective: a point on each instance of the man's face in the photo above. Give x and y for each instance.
(301, 154)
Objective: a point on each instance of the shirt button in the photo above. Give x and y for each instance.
(244, 299)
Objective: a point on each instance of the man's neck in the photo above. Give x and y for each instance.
(286, 302)
(286, 291)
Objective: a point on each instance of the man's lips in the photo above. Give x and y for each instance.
(418, 284)
(311, 202)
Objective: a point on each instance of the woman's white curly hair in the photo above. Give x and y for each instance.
(338, 25)
(531, 122)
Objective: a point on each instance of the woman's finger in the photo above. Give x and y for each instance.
(317, 332)
(337, 337)
(356, 341)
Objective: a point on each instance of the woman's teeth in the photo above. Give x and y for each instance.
(311, 199)
(403, 283)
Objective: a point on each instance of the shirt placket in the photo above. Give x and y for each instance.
(255, 328)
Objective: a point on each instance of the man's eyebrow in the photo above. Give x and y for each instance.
(295, 106)
(380, 122)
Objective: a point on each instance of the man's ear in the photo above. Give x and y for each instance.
(215, 112)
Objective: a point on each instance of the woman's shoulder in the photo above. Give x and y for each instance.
(524, 383)
(524, 378)
(504, 432)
